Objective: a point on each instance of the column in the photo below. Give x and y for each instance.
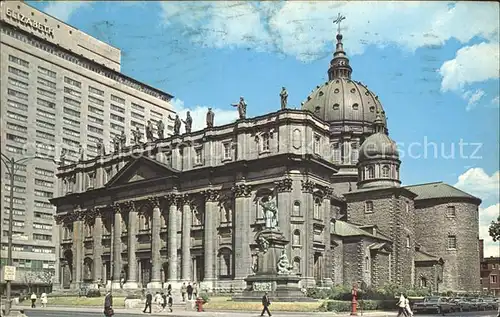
(77, 249)
(186, 239)
(97, 237)
(57, 241)
(308, 279)
(133, 221)
(172, 238)
(242, 254)
(285, 202)
(117, 248)
(155, 246)
(326, 257)
(210, 237)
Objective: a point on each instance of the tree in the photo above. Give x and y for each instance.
(42, 277)
(494, 230)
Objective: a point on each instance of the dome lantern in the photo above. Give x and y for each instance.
(339, 65)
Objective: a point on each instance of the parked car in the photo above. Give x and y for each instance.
(439, 305)
(477, 304)
(462, 304)
(491, 303)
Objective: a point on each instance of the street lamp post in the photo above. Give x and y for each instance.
(11, 164)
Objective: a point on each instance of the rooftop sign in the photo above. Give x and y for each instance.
(24, 20)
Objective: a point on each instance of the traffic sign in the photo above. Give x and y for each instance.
(9, 273)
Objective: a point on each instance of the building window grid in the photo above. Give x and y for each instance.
(44, 183)
(70, 142)
(16, 138)
(72, 82)
(117, 108)
(117, 127)
(95, 120)
(45, 103)
(42, 226)
(72, 102)
(96, 101)
(17, 212)
(45, 114)
(71, 112)
(156, 114)
(17, 200)
(17, 105)
(14, 149)
(369, 206)
(46, 82)
(117, 99)
(41, 193)
(17, 94)
(17, 178)
(137, 107)
(43, 204)
(47, 72)
(42, 237)
(116, 117)
(45, 135)
(94, 129)
(46, 93)
(16, 189)
(45, 125)
(44, 172)
(17, 116)
(96, 110)
(452, 242)
(451, 211)
(74, 133)
(17, 127)
(71, 122)
(18, 72)
(19, 61)
(43, 215)
(18, 83)
(136, 115)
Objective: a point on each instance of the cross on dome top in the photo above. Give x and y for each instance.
(339, 65)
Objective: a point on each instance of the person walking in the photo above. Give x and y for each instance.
(265, 302)
(407, 307)
(183, 291)
(164, 301)
(190, 291)
(149, 300)
(195, 290)
(157, 300)
(401, 306)
(170, 301)
(108, 305)
(33, 300)
(44, 300)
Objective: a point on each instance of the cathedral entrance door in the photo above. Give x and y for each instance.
(199, 268)
(145, 265)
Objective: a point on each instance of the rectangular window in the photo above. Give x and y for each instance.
(451, 211)
(45, 135)
(155, 114)
(72, 122)
(17, 200)
(117, 99)
(72, 102)
(42, 193)
(71, 112)
(17, 116)
(20, 167)
(46, 72)
(117, 108)
(19, 61)
(14, 149)
(198, 160)
(17, 189)
(74, 133)
(17, 94)
(72, 92)
(137, 124)
(227, 150)
(17, 105)
(42, 237)
(17, 178)
(117, 127)
(316, 144)
(43, 204)
(18, 72)
(43, 215)
(93, 139)
(71, 142)
(44, 183)
(18, 83)
(369, 206)
(137, 116)
(96, 100)
(16, 138)
(95, 120)
(44, 172)
(72, 82)
(17, 127)
(96, 110)
(45, 114)
(94, 129)
(45, 125)
(46, 82)
(452, 242)
(494, 279)
(44, 146)
(46, 93)
(96, 91)
(137, 107)
(117, 118)
(17, 212)
(45, 103)
(336, 152)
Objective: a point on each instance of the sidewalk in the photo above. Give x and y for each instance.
(186, 313)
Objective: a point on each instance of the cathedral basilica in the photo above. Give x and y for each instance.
(187, 207)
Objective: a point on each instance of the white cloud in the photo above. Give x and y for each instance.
(473, 98)
(471, 64)
(199, 113)
(64, 9)
(305, 30)
(495, 101)
(477, 182)
(487, 215)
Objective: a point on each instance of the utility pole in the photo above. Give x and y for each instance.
(11, 165)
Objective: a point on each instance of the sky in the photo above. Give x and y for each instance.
(434, 66)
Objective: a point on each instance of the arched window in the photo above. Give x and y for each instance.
(336, 152)
(296, 265)
(423, 282)
(225, 263)
(144, 223)
(354, 152)
(367, 264)
(369, 206)
(385, 171)
(317, 208)
(296, 208)
(370, 170)
(408, 242)
(296, 238)
(265, 142)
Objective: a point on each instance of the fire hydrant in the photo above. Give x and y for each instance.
(199, 304)
(354, 301)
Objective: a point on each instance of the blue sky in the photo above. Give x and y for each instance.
(434, 66)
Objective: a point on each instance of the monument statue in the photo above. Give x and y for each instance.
(123, 140)
(177, 124)
(188, 123)
(270, 213)
(149, 131)
(283, 264)
(161, 129)
(284, 98)
(263, 244)
(137, 135)
(242, 108)
(62, 157)
(100, 148)
(116, 143)
(210, 118)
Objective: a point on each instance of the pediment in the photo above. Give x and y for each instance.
(140, 170)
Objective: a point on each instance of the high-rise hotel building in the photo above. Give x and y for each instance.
(59, 89)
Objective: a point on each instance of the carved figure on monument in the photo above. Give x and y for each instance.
(62, 157)
(263, 244)
(270, 212)
(160, 126)
(123, 140)
(255, 263)
(116, 143)
(101, 150)
(177, 124)
(284, 98)
(188, 123)
(137, 135)
(149, 131)
(210, 118)
(283, 264)
(242, 108)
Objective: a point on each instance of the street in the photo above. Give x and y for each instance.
(128, 313)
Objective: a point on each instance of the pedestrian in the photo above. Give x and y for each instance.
(407, 307)
(44, 300)
(401, 306)
(170, 301)
(190, 291)
(108, 305)
(265, 302)
(195, 290)
(149, 299)
(183, 291)
(164, 301)
(169, 288)
(157, 300)
(33, 300)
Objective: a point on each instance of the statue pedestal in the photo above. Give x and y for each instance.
(280, 287)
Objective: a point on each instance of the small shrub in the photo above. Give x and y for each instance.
(205, 297)
(93, 293)
(134, 296)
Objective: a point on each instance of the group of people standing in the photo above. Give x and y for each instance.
(43, 300)
(161, 300)
(190, 290)
(404, 307)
